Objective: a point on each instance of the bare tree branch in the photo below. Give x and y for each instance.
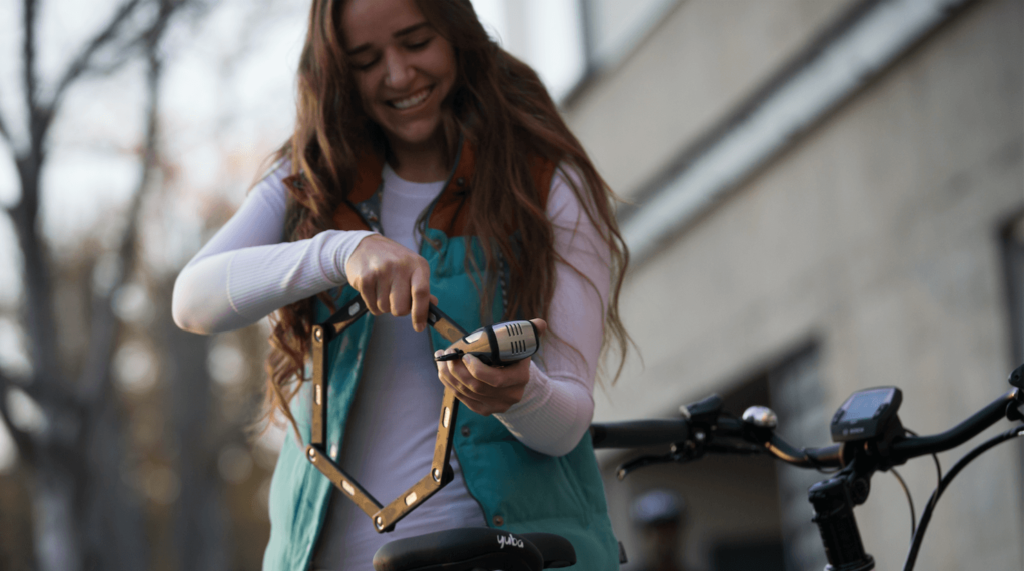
(76, 457)
(28, 48)
(40, 320)
(82, 63)
(94, 382)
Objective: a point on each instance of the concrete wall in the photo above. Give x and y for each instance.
(700, 62)
(875, 235)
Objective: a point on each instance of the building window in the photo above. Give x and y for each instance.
(723, 493)
(797, 396)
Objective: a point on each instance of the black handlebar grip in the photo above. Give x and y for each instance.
(639, 433)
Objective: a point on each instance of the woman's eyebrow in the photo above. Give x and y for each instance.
(410, 29)
(403, 32)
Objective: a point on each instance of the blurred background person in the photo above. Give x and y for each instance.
(661, 518)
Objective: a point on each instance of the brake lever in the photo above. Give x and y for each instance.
(681, 453)
(704, 418)
(642, 462)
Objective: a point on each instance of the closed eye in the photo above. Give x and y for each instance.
(363, 67)
(367, 65)
(419, 45)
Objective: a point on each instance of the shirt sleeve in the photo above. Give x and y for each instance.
(246, 271)
(558, 403)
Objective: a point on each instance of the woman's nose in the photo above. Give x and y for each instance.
(399, 72)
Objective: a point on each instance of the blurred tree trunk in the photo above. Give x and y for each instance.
(200, 515)
(86, 516)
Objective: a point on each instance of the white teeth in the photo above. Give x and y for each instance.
(410, 101)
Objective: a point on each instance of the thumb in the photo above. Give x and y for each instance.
(541, 325)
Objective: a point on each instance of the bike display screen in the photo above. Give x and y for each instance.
(866, 414)
(865, 404)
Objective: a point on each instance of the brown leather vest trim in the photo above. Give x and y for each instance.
(368, 179)
(450, 214)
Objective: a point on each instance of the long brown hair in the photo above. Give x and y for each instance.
(500, 105)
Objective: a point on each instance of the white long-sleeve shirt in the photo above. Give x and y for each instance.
(246, 271)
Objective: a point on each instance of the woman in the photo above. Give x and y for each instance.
(417, 142)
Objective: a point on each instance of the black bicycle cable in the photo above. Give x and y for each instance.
(935, 457)
(926, 515)
(938, 467)
(906, 490)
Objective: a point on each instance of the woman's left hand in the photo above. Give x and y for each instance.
(487, 390)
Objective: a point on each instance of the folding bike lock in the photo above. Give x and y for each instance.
(384, 517)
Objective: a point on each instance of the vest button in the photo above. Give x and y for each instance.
(498, 521)
(465, 431)
(460, 181)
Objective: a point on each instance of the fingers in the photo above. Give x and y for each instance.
(541, 325)
(485, 390)
(385, 294)
(477, 406)
(391, 279)
(369, 296)
(420, 289)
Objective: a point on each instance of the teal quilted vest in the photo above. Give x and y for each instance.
(519, 490)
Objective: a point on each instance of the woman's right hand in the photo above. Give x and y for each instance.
(391, 278)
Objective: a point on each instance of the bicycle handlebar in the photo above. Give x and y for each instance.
(905, 447)
(706, 429)
(824, 457)
(643, 433)
(913, 446)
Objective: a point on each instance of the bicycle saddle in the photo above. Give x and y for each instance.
(468, 548)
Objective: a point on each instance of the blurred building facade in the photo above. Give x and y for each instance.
(827, 196)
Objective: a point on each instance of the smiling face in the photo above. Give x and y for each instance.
(402, 67)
